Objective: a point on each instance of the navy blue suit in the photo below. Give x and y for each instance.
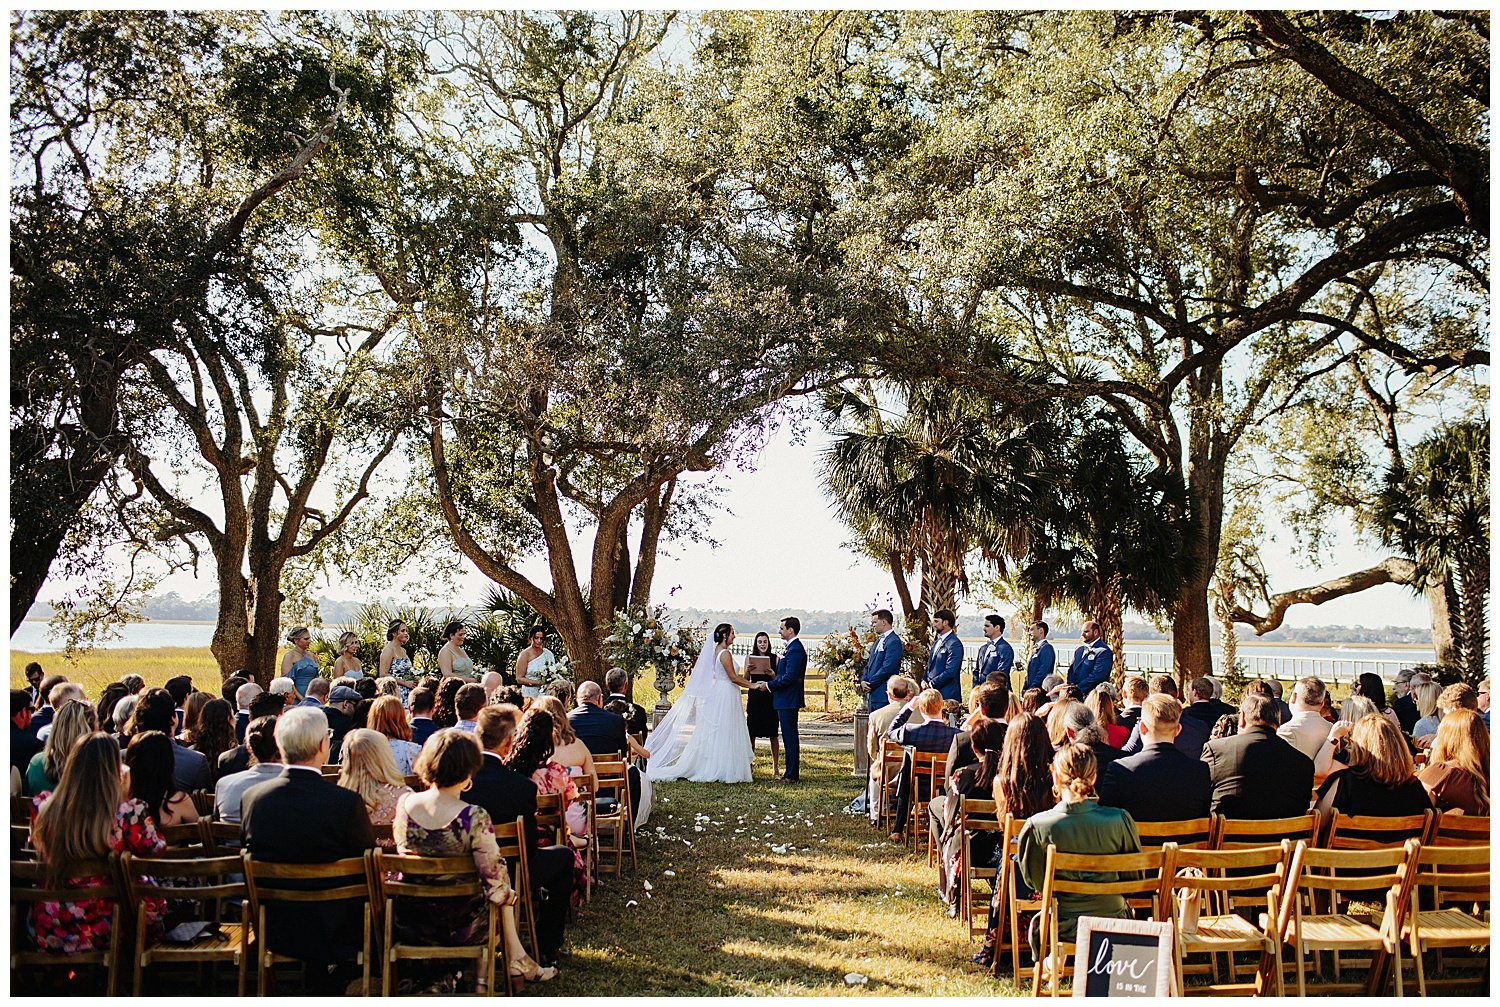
(995, 655)
(787, 698)
(931, 736)
(883, 665)
(1042, 664)
(422, 728)
(1091, 665)
(943, 664)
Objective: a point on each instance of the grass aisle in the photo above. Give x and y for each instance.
(739, 918)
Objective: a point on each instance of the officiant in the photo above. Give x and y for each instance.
(760, 716)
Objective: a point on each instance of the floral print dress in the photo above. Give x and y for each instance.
(79, 927)
(384, 812)
(460, 921)
(554, 778)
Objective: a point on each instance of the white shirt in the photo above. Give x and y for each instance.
(941, 637)
(1306, 732)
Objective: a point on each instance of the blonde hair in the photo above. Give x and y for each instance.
(1464, 741)
(73, 721)
(562, 731)
(1357, 708)
(1076, 770)
(75, 824)
(1057, 728)
(1378, 750)
(930, 702)
(368, 764)
(1425, 695)
(388, 687)
(1102, 705)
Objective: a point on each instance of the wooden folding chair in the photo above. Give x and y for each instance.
(892, 759)
(224, 837)
(511, 838)
(929, 770)
(226, 942)
(1223, 874)
(618, 823)
(20, 811)
(436, 878)
(1146, 868)
(1316, 871)
(1009, 936)
(588, 794)
(347, 879)
(28, 886)
(1459, 830)
(1364, 832)
(1249, 833)
(1189, 833)
(1456, 880)
(976, 816)
(203, 800)
(550, 820)
(20, 843)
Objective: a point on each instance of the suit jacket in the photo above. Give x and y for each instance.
(422, 728)
(236, 760)
(40, 719)
(1406, 712)
(241, 721)
(636, 723)
(944, 661)
(931, 736)
(1190, 739)
(300, 818)
(1158, 784)
(994, 655)
(1258, 775)
(190, 768)
(506, 795)
(1091, 665)
(884, 663)
(229, 792)
(342, 724)
(880, 725)
(1208, 711)
(961, 752)
(23, 745)
(1127, 717)
(786, 687)
(601, 732)
(1042, 664)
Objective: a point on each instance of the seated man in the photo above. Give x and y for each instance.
(933, 734)
(243, 697)
(603, 733)
(229, 792)
(986, 702)
(239, 758)
(900, 689)
(300, 818)
(155, 711)
(1255, 773)
(419, 705)
(1160, 783)
(618, 683)
(508, 795)
(1190, 739)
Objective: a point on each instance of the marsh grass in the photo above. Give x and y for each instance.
(98, 668)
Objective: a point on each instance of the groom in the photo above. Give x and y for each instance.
(786, 690)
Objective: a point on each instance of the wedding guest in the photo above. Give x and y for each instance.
(58, 696)
(231, 685)
(1159, 783)
(348, 664)
(617, 681)
(559, 689)
(437, 823)
(238, 758)
(531, 664)
(1022, 788)
(490, 681)
(300, 817)
(534, 755)
(34, 676)
(124, 717)
(1281, 707)
(108, 700)
(394, 660)
(365, 687)
(1457, 774)
(1032, 700)
(1402, 701)
(1240, 767)
(134, 684)
(568, 750)
(244, 697)
(1372, 687)
(297, 664)
(1204, 707)
(1194, 733)
(1101, 703)
(1129, 714)
(1381, 779)
(180, 688)
(386, 718)
(1080, 725)
(1078, 824)
(368, 769)
(453, 660)
(421, 703)
(974, 781)
(387, 687)
(23, 744)
(192, 717)
(1057, 715)
(260, 738)
(75, 720)
(1424, 698)
(45, 708)
(286, 689)
(85, 819)
(1351, 711)
(215, 733)
(931, 734)
(445, 710)
(986, 703)
(467, 703)
(1306, 730)
(153, 780)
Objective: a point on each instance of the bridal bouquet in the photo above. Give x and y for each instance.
(646, 637)
(557, 671)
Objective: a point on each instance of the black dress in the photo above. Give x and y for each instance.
(759, 716)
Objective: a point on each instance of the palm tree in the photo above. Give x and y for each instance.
(1437, 511)
(944, 478)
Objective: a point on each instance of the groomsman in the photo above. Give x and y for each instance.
(1092, 662)
(946, 658)
(1043, 660)
(884, 661)
(995, 655)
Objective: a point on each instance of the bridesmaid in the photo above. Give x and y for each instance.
(759, 716)
(297, 664)
(394, 661)
(348, 664)
(453, 660)
(530, 662)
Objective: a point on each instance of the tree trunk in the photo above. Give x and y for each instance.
(621, 596)
(1472, 591)
(1440, 611)
(653, 518)
(1110, 614)
(247, 636)
(1192, 643)
(1192, 649)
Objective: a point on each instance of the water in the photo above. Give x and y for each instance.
(1331, 662)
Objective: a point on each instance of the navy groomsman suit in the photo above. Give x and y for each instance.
(1092, 663)
(883, 665)
(995, 655)
(943, 664)
(1042, 664)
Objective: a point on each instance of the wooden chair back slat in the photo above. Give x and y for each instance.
(258, 872)
(1241, 833)
(1194, 832)
(1367, 832)
(1460, 830)
(1147, 864)
(203, 801)
(461, 878)
(28, 882)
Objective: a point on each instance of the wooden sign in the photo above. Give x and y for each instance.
(1123, 958)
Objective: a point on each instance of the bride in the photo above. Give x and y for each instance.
(703, 738)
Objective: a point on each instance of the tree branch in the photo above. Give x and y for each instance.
(1391, 570)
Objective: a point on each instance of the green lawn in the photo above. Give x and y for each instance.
(741, 919)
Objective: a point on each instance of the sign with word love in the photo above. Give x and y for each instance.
(1123, 958)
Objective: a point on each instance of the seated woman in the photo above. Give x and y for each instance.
(153, 781)
(534, 755)
(370, 772)
(445, 709)
(567, 751)
(215, 733)
(437, 823)
(976, 782)
(75, 720)
(1457, 775)
(1425, 695)
(1380, 779)
(87, 817)
(1101, 704)
(387, 717)
(1078, 824)
(1352, 711)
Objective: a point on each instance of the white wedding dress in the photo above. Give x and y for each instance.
(704, 737)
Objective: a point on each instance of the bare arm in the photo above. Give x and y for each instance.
(726, 661)
(445, 661)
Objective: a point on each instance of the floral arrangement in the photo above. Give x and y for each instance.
(558, 671)
(646, 637)
(842, 656)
